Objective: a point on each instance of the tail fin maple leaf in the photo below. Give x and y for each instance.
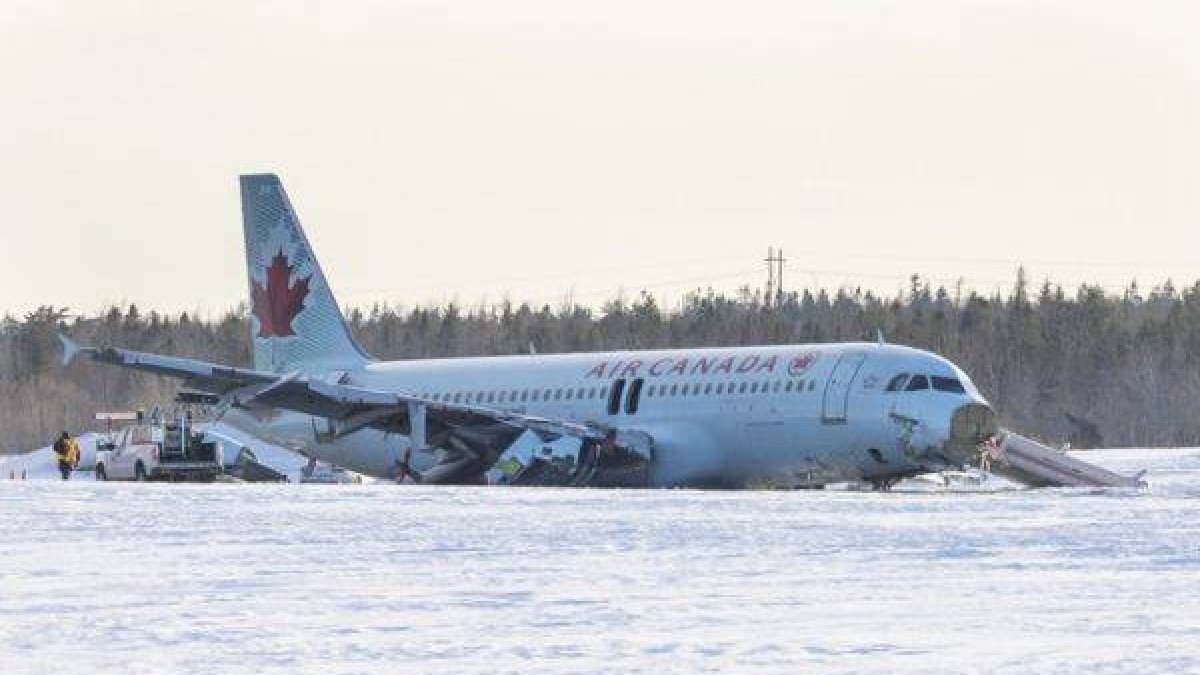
(279, 303)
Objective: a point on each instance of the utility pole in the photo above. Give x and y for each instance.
(774, 260)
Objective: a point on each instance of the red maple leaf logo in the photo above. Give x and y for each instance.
(801, 363)
(280, 302)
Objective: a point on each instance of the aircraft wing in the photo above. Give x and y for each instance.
(347, 407)
(199, 375)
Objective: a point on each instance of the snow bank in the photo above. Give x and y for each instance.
(42, 464)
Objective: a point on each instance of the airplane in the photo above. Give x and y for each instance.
(789, 416)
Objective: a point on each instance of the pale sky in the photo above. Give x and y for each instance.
(442, 150)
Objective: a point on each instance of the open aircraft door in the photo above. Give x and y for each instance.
(837, 389)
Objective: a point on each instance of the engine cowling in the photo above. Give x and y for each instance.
(620, 459)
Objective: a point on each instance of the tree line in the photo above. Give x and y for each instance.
(1085, 366)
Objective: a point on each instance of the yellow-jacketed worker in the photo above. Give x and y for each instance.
(67, 449)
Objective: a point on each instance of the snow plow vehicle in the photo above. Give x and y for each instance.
(156, 449)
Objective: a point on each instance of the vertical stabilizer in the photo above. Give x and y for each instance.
(295, 321)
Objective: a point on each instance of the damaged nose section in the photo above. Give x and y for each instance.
(971, 425)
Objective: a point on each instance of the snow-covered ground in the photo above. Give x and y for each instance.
(151, 578)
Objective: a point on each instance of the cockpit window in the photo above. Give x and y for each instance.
(897, 382)
(948, 384)
(917, 383)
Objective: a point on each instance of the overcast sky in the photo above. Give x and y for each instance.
(469, 150)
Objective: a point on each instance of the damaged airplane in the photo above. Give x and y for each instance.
(789, 416)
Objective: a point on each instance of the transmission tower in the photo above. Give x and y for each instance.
(774, 260)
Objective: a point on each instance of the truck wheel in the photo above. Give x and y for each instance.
(139, 472)
(101, 474)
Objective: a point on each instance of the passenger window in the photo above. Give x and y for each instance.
(753, 387)
(789, 385)
(557, 394)
(708, 388)
(720, 388)
(674, 389)
(580, 394)
(650, 391)
(568, 394)
(897, 382)
(742, 388)
(812, 384)
(917, 383)
(948, 384)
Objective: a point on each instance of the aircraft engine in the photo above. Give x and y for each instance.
(618, 460)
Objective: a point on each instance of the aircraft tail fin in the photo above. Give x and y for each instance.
(295, 320)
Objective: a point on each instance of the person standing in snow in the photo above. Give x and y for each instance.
(67, 449)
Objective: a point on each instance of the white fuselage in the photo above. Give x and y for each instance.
(791, 415)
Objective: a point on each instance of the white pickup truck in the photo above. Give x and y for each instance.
(170, 451)
(127, 454)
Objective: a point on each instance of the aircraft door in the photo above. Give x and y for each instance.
(614, 397)
(635, 395)
(837, 389)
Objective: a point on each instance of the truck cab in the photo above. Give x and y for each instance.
(130, 453)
